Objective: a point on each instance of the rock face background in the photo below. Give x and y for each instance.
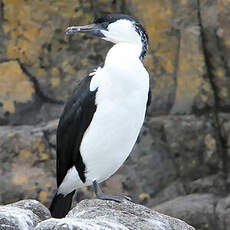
(180, 165)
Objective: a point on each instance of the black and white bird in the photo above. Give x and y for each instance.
(102, 119)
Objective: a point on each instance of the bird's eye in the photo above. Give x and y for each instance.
(105, 25)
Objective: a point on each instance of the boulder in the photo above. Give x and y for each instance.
(22, 215)
(88, 214)
(98, 214)
(223, 213)
(196, 209)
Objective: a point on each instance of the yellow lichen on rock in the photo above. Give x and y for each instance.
(24, 154)
(157, 17)
(158, 25)
(44, 156)
(190, 71)
(144, 196)
(29, 28)
(19, 179)
(14, 85)
(222, 4)
(42, 197)
(55, 80)
(8, 106)
(161, 60)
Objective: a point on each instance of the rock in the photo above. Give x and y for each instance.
(214, 18)
(93, 214)
(223, 213)
(195, 209)
(176, 57)
(23, 215)
(172, 153)
(27, 158)
(176, 159)
(50, 62)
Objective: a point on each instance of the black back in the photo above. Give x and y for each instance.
(75, 119)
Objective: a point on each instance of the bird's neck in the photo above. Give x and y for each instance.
(124, 51)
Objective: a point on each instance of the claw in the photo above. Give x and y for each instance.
(103, 196)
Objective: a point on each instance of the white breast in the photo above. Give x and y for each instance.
(121, 99)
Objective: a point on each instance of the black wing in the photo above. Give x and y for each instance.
(75, 119)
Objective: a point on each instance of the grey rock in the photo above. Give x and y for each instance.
(172, 153)
(35, 206)
(23, 215)
(223, 213)
(27, 158)
(196, 209)
(98, 214)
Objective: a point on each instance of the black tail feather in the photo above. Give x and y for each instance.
(61, 205)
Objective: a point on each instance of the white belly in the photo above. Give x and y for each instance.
(121, 107)
(110, 139)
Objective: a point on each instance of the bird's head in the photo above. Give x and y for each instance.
(116, 28)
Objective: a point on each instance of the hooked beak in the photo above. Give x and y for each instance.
(92, 29)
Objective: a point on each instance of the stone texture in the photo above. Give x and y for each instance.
(184, 147)
(23, 215)
(223, 213)
(196, 209)
(53, 63)
(27, 157)
(93, 214)
(11, 74)
(173, 153)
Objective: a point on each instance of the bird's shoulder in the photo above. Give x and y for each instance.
(80, 98)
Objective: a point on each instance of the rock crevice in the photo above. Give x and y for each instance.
(221, 141)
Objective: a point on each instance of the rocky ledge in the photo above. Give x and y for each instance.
(88, 214)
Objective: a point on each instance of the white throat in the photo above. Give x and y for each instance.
(127, 52)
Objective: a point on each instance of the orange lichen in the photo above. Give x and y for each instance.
(41, 72)
(42, 197)
(14, 85)
(8, 106)
(29, 28)
(157, 18)
(19, 179)
(144, 196)
(24, 154)
(55, 81)
(191, 69)
(168, 66)
(43, 156)
(156, 26)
